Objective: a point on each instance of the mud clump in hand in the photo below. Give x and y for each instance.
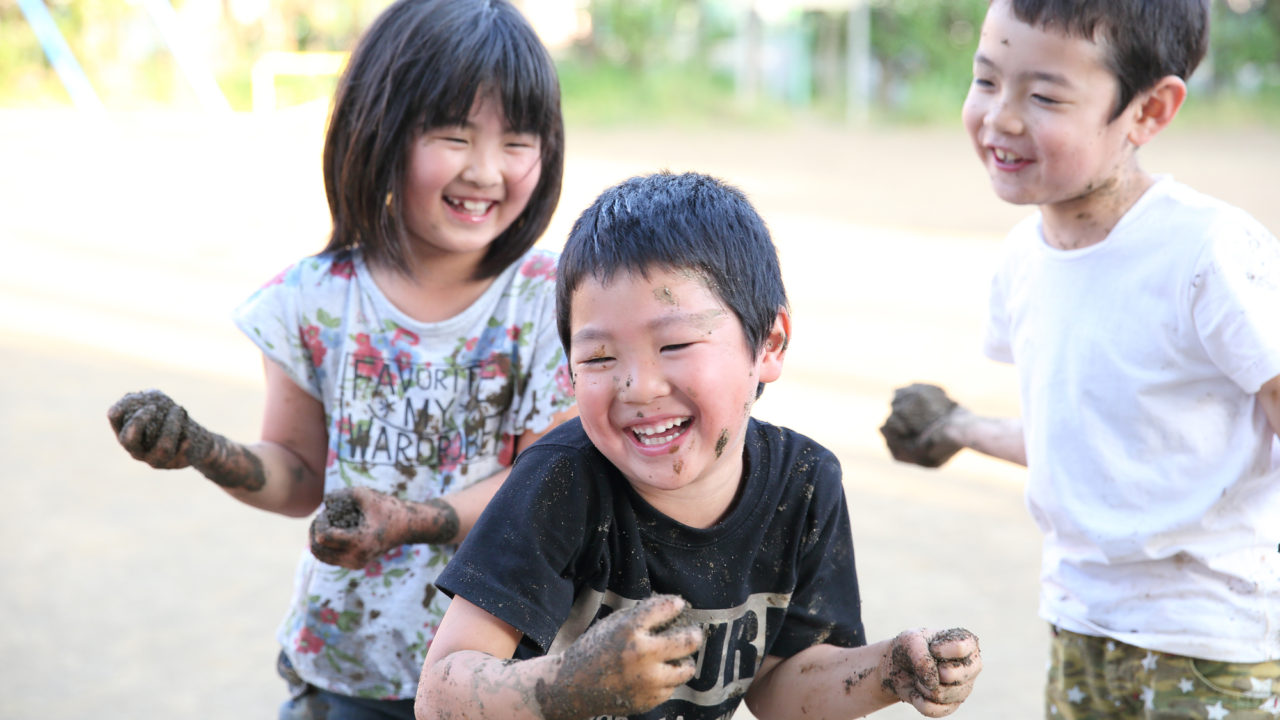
(342, 511)
(676, 624)
(913, 431)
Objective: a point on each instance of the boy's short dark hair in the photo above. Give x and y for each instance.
(1144, 40)
(419, 66)
(677, 222)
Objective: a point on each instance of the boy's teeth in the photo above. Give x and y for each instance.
(646, 434)
(1006, 156)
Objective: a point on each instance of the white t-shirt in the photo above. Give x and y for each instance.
(1150, 459)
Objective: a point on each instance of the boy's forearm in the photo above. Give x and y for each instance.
(822, 681)
(1269, 398)
(998, 437)
(479, 686)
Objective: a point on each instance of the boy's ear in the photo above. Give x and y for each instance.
(1154, 108)
(775, 347)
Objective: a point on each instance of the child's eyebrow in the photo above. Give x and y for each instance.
(1041, 75)
(703, 320)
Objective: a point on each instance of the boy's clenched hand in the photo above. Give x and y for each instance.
(626, 663)
(934, 672)
(914, 429)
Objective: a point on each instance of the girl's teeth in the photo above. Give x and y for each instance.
(474, 207)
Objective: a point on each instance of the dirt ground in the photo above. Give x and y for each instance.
(132, 592)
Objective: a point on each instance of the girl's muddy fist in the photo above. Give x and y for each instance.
(914, 430)
(157, 431)
(354, 527)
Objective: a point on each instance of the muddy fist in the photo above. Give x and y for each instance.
(157, 431)
(342, 511)
(913, 430)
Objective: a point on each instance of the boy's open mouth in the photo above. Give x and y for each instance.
(475, 208)
(660, 433)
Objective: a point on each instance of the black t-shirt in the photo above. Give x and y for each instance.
(567, 541)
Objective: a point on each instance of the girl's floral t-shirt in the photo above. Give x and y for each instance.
(415, 410)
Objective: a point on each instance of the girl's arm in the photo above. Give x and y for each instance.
(283, 473)
(389, 522)
(932, 671)
(626, 663)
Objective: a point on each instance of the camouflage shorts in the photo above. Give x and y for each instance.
(1094, 678)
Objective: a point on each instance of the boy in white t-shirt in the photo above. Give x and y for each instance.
(1144, 322)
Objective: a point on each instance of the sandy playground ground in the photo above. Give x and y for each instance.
(132, 593)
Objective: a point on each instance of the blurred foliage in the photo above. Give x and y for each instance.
(642, 61)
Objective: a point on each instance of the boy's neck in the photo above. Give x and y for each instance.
(701, 505)
(1089, 219)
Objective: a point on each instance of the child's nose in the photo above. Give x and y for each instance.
(643, 382)
(483, 167)
(1003, 117)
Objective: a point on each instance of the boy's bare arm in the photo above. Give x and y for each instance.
(1269, 398)
(359, 524)
(926, 427)
(934, 672)
(626, 663)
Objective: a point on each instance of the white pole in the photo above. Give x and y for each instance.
(858, 63)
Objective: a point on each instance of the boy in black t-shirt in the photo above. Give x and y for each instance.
(667, 555)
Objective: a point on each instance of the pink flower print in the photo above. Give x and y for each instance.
(279, 278)
(404, 335)
(394, 554)
(332, 457)
(471, 343)
(368, 359)
(450, 453)
(328, 616)
(564, 381)
(507, 449)
(344, 269)
(491, 367)
(314, 345)
(404, 360)
(373, 569)
(309, 642)
(539, 266)
(513, 332)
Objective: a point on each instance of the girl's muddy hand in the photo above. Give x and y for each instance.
(157, 431)
(354, 528)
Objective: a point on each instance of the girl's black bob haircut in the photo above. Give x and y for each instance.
(688, 222)
(419, 66)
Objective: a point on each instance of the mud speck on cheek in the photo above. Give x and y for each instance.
(665, 296)
(677, 466)
(722, 441)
